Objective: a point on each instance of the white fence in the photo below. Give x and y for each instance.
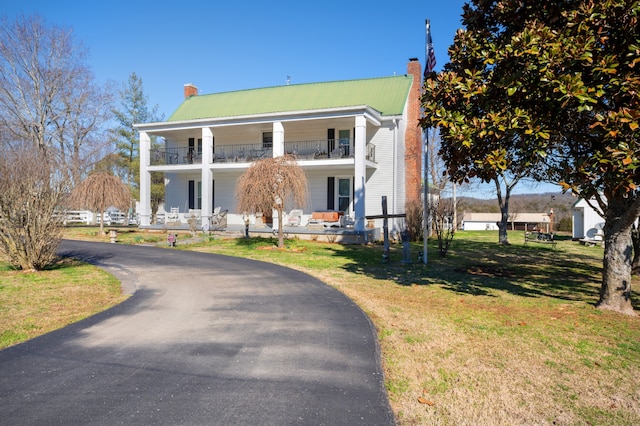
(86, 217)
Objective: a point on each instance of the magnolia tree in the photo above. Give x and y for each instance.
(549, 89)
(273, 184)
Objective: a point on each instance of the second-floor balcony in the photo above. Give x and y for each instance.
(332, 149)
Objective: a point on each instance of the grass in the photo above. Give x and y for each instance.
(489, 334)
(35, 303)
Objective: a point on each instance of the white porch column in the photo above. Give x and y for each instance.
(144, 208)
(278, 139)
(207, 174)
(360, 148)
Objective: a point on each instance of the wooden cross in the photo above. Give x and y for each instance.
(385, 226)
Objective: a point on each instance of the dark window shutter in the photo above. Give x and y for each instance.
(331, 140)
(331, 192)
(213, 195)
(191, 143)
(192, 194)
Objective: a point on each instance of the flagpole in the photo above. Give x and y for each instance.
(425, 198)
(430, 62)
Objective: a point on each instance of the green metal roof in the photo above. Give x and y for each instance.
(386, 95)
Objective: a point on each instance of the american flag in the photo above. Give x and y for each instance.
(431, 54)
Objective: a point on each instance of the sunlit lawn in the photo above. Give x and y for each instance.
(488, 334)
(34, 303)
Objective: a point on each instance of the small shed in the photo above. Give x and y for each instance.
(586, 221)
(517, 221)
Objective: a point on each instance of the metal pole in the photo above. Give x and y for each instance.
(428, 67)
(425, 199)
(385, 228)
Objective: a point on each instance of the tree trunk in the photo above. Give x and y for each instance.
(635, 239)
(101, 213)
(504, 212)
(615, 293)
(503, 238)
(280, 229)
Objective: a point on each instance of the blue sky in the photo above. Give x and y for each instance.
(235, 45)
(232, 45)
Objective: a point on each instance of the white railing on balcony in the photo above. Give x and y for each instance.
(182, 155)
(241, 153)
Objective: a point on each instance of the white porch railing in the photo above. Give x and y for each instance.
(241, 153)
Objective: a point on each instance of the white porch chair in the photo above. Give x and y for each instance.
(294, 218)
(173, 215)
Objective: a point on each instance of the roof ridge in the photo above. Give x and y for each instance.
(304, 84)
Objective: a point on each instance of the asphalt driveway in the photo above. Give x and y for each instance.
(204, 340)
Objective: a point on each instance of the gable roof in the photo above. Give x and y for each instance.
(386, 95)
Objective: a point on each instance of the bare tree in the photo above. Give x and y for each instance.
(47, 94)
(30, 191)
(442, 212)
(413, 222)
(273, 184)
(440, 184)
(51, 117)
(437, 170)
(99, 191)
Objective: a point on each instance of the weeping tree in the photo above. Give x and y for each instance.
(99, 191)
(272, 184)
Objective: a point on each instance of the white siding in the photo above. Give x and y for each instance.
(479, 226)
(385, 180)
(225, 191)
(586, 221)
(317, 191)
(176, 190)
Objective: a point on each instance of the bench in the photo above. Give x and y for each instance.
(539, 237)
(326, 219)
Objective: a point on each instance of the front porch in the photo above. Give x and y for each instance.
(325, 234)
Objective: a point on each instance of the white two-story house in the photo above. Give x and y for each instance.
(357, 141)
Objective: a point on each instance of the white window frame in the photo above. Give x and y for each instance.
(338, 196)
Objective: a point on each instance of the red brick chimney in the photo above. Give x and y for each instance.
(413, 136)
(190, 90)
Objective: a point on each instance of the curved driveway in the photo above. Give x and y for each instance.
(204, 340)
